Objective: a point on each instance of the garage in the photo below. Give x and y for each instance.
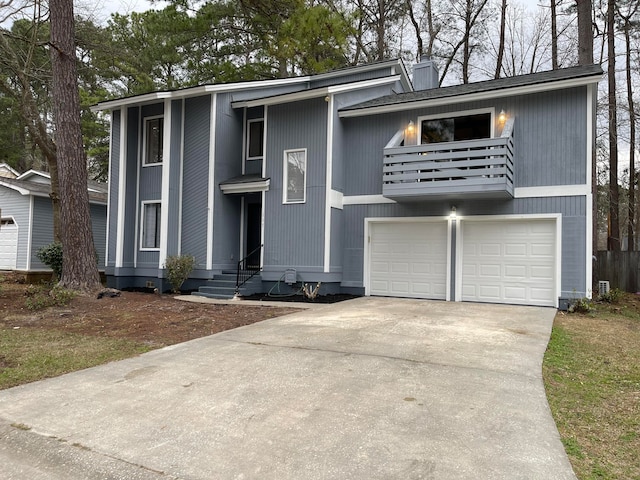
(8, 244)
(408, 259)
(509, 261)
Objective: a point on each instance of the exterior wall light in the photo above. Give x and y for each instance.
(502, 117)
(411, 127)
(453, 213)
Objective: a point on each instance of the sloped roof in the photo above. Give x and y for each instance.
(97, 191)
(487, 86)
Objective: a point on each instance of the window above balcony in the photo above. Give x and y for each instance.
(455, 127)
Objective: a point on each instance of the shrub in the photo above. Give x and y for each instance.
(39, 297)
(51, 256)
(612, 296)
(581, 305)
(179, 267)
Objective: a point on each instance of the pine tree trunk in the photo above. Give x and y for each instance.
(554, 36)
(585, 32)
(503, 21)
(613, 241)
(631, 243)
(80, 268)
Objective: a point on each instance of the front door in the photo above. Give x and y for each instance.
(254, 221)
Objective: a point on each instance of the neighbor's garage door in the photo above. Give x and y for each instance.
(8, 244)
(408, 259)
(510, 261)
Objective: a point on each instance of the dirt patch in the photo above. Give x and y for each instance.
(156, 319)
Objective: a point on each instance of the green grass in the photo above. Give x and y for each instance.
(27, 355)
(592, 377)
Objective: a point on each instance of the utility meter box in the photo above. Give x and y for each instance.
(290, 276)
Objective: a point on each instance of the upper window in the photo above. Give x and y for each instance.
(295, 175)
(150, 238)
(255, 137)
(455, 128)
(153, 139)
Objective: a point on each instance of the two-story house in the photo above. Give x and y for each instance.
(361, 179)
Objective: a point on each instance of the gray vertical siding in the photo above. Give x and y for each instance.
(174, 159)
(114, 178)
(337, 223)
(130, 167)
(294, 234)
(15, 205)
(42, 233)
(195, 178)
(99, 231)
(228, 164)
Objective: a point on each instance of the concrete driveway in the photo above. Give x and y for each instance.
(373, 388)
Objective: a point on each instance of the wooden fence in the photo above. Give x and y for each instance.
(621, 269)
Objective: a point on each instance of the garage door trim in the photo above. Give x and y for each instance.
(557, 218)
(369, 221)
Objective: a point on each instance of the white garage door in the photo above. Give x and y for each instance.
(408, 259)
(8, 244)
(511, 261)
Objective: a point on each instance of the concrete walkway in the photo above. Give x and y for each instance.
(372, 388)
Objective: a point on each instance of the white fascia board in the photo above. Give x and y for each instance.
(20, 190)
(195, 91)
(314, 93)
(32, 173)
(471, 97)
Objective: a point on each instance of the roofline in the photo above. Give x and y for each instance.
(31, 172)
(10, 168)
(473, 96)
(25, 191)
(314, 92)
(230, 87)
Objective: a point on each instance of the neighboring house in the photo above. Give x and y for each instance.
(27, 220)
(361, 180)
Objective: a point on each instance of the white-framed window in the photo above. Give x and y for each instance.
(150, 226)
(456, 126)
(153, 134)
(295, 176)
(255, 139)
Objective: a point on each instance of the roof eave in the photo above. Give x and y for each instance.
(473, 96)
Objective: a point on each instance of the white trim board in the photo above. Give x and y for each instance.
(552, 191)
(471, 97)
(212, 187)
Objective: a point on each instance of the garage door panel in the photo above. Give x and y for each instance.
(515, 249)
(524, 273)
(8, 245)
(515, 271)
(413, 262)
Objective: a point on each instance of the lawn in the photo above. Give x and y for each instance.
(592, 377)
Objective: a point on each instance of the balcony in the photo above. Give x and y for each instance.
(470, 168)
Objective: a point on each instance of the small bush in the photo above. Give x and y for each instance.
(51, 256)
(39, 297)
(581, 305)
(179, 267)
(612, 296)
